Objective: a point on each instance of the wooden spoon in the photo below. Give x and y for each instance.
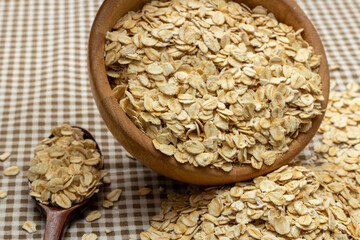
(58, 219)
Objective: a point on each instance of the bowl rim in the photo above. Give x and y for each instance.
(140, 145)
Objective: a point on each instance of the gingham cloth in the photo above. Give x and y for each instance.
(44, 82)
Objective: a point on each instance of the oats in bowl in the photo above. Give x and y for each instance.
(314, 200)
(214, 83)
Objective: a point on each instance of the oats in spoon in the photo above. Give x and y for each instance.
(66, 168)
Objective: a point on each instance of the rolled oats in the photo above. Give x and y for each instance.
(29, 226)
(3, 194)
(65, 168)
(106, 180)
(107, 204)
(114, 195)
(144, 191)
(11, 171)
(62, 200)
(334, 67)
(5, 156)
(316, 200)
(214, 83)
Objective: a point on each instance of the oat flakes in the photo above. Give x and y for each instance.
(214, 83)
(107, 204)
(29, 226)
(65, 168)
(144, 191)
(5, 156)
(3, 194)
(114, 195)
(90, 236)
(106, 180)
(334, 67)
(92, 216)
(11, 171)
(317, 200)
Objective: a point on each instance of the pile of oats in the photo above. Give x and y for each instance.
(66, 168)
(319, 201)
(112, 197)
(214, 83)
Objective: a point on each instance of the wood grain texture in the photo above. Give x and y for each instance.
(140, 146)
(58, 219)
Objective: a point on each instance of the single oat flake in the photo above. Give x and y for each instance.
(106, 180)
(114, 195)
(3, 194)
(144, 191)
(107, 204)
(29, 226)
(4, 156)
(11, 171)
(335, 67)
(90, 236)
(92, 216)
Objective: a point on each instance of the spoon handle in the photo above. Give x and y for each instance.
(56, 223)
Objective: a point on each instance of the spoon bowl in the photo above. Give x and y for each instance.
(57, 218)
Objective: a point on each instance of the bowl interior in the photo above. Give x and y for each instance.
(140, 146)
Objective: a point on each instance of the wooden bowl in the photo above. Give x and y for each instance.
(140, 145)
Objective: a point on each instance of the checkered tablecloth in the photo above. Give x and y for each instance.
(44, 82)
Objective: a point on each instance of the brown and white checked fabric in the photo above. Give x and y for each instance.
(44, 82)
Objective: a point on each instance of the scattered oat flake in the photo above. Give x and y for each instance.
(307, 201)
(90, 236)
(106, 180)
(92, 216)
(3, 194)
(114, 195)
(4, 156)
(107, 231)
(334, 67)
(129, 155)
(107, 204)
(227, 86)
(144, 191)
(11, 171)
(29, 226)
